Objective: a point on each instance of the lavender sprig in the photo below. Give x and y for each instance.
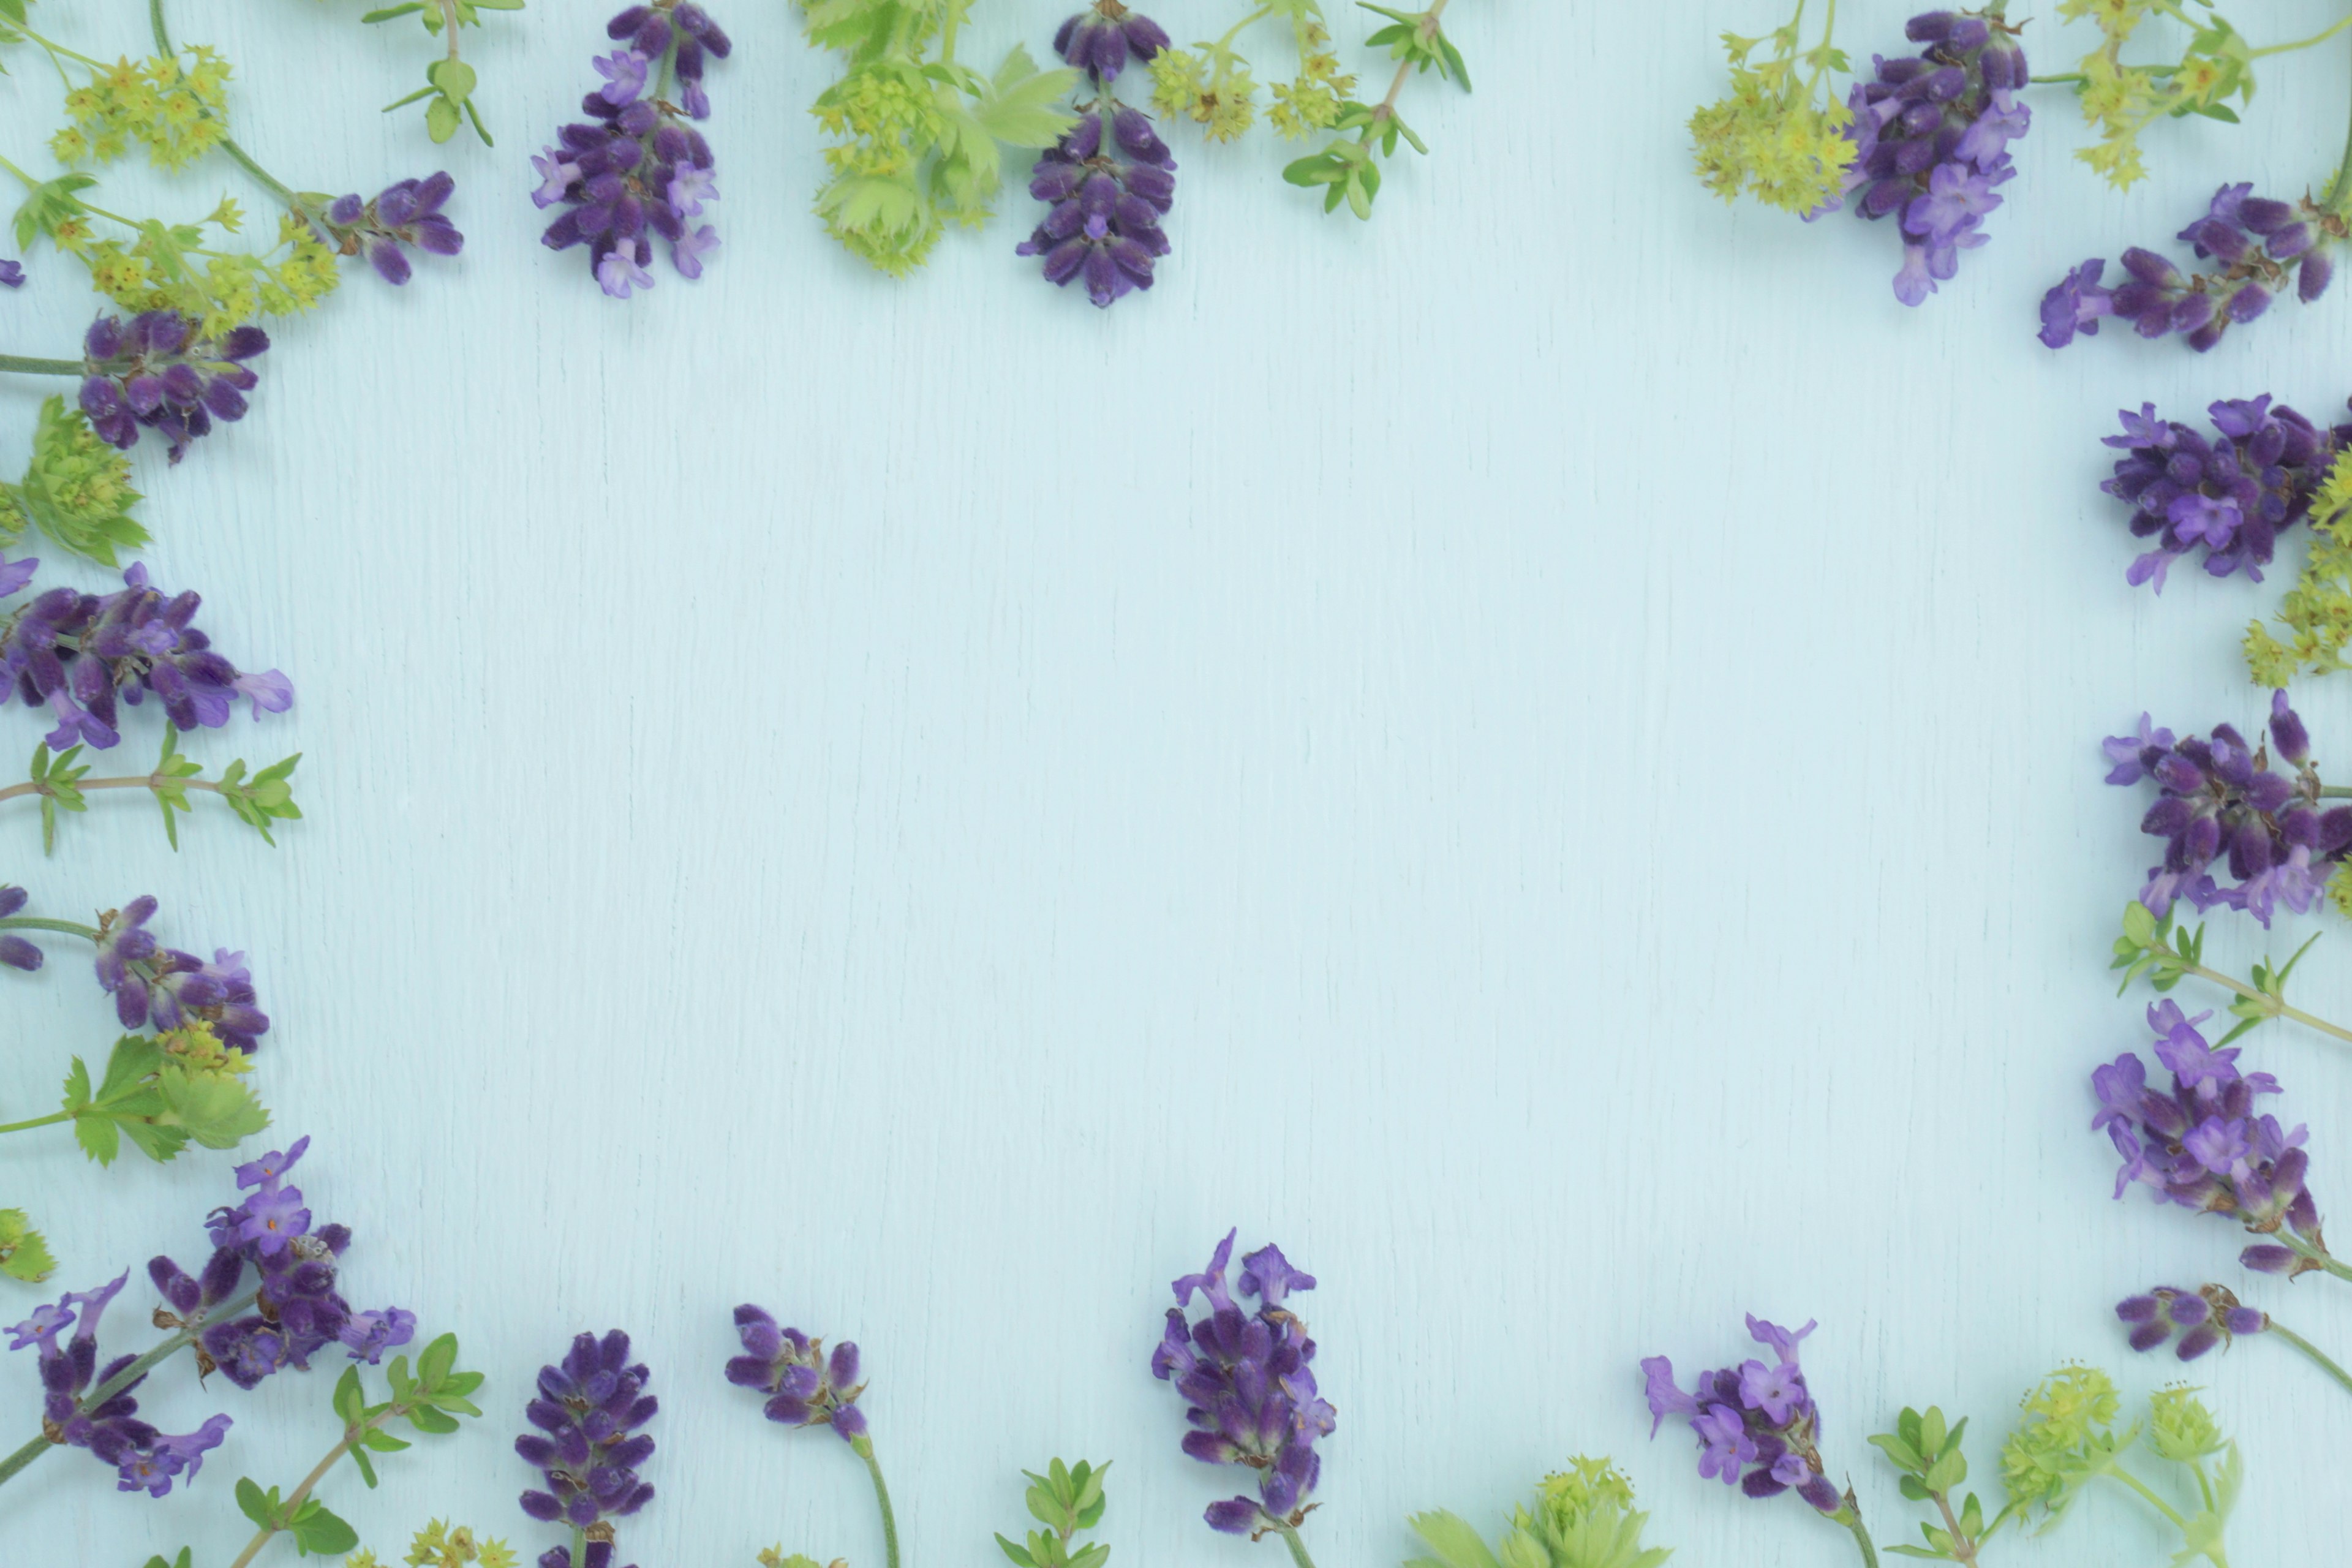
(636, 170)
(153, 372)
(147, 980)
(2209, 1316)
(1110, 179)
(1249, 1389)
(588, 1446)
(1755, 1423)
(1931, 136)
(2218, 797)
(2257, 246)
(807, 1386)
(2229, 497)
(2201, 1144)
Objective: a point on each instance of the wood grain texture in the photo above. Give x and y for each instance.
(1540, 752)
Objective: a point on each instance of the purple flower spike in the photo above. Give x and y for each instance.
(805, 1386)
(2229, 496)
(404, 215)
(1248, 1386)
(1931, 135)
(2211, 1317)
(2220, 800)
(1108, 185)
(588, 1445)
(1756, 1423)
(154, 372)
(2256, 248)
(2201, 1144)
(636, 169)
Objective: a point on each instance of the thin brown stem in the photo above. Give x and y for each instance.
(152, 781)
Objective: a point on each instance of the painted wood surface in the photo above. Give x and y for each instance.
(1540, 752)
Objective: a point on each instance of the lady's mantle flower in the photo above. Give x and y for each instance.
(405, 213)
(2205, 1318)
(805, 1386)
(635, 171)
(1755, 1423)
(2254, 245)
(144, 1459)
(2217, 796)
(76, 654)
(1931, 136)
(154, 371)
(1249, 1387)
(1110, 179)
(2231, 496)
(2201, 1144)
(588, 1445)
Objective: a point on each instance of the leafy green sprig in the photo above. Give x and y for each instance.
(449, 83)
(2067, 1440)
(1066, 1499)
(1930, 1468)
(162, 1091)
(1215, 90)
(76, 489)
(2120, 101)
(23, 1252)
(2165, 955)
(1583, 1518)
(430, 1401)
(61, 786)
(921, 138)
(1349, 171)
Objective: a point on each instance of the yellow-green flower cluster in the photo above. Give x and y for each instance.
(2180, 1428)
(1215, 89)
(1779, 134)
(2120, 101)
(177, 114)
(76, 489)
(888, 118)
(168, 267)
(2070, 1412)
(2317, 611)
(199, 1051)
(439, 1545)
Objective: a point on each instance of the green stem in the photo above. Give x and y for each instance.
(1290, 1534)
(2153, 1502)
(51, 1120)
(150, 781)
(864, 1448)
(43, 1443)
(23, 365)
(1851, 1517)
(579, 1546)
(301, 1494)
(2305, 1250)
(2336, 188)
(42, 923)
(2271, 1005)
(2319, 38)
(244, 159)
(2318, 1357)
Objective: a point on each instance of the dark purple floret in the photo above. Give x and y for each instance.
(1108, 194)
(588, 1445)
(1248, 1383)
(153, 370)
(805, 1386)
(2256, 245)
(2230, 496)
(636, 170)
(15, 951)
(2204, 1319)
(1755, 1423)
(2199, 1143)
(1102, 40)
(403, 215)
(1931, 134)
(2217, 798)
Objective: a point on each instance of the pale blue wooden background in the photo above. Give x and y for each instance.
(1540, 752)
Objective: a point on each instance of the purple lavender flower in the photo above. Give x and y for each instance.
(12, 274)
(2200, 1144)
(805, 1387)
(15, 951)
(1249, 1388)
(153, 370)
(2218, 796)
(1102, 40)
(2231, 496)
(1931, 136)
(636, 170)
(77, 654)
(588, 1446)
(2256, 246)
(1110, 179)
(144, 1458)
(2203, 1318)
(405, 213)
(1755, 1423)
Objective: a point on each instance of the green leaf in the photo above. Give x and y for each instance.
(50, 204)
(441, 119)
(158, 1142)
(216, 1110)
(390, 13)
(320, 1532)
(2139, 924)
(366, 1466)
(351, 1399)
(23, 1252)
(254, 1505)
(1023, 106)
(77, 1087)
(454, 79)
(427, 1418)
(438, 1359)
(97, 1138)
(1904, 1456)
(1018, 1554)
(1457, 1544)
